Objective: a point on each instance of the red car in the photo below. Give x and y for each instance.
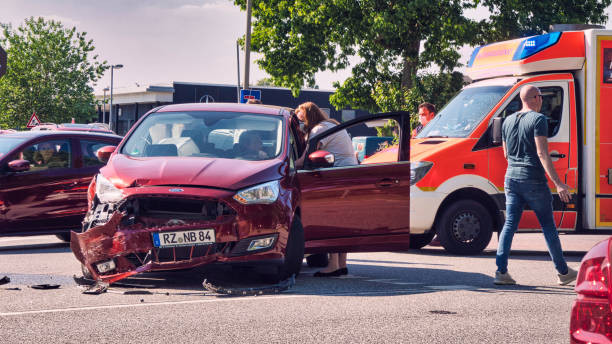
(193, 184)
(591, 320)
(43, 180)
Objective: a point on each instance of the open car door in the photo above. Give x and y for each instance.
(363, 207)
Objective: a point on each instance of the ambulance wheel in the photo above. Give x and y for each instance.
(465, 227)
(318, 260)
(294, 252)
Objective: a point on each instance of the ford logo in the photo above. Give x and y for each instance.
(176, 190)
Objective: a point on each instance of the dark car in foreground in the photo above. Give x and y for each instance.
(591, 319)
(44, 177)
(193, 184)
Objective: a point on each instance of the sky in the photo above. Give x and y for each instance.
(161, 41)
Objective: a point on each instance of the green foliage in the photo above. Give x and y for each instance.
(389, 42)
(49, 72)
(518, 18)
(301, 37)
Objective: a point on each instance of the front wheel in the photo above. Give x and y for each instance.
(294, 252)
(465, 227)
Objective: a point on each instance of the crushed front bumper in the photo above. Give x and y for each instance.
(123, 234)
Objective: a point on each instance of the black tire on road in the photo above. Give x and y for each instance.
(465, 227)
(318, 260)
(294, 253)
(65, 237)
(418, 241)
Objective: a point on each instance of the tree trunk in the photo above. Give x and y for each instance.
(410, 65)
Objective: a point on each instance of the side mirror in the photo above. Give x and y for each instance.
(19, 165)
(105, 152)
(496, 137)
(321, 159)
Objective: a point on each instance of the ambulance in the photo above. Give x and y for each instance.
(458, 166)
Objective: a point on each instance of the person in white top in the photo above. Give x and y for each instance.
(340, 145)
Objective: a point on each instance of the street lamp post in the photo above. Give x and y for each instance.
(104, 105)
(111, 121)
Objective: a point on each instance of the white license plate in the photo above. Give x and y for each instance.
(184, 238)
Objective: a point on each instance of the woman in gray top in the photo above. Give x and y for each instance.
(340, 145)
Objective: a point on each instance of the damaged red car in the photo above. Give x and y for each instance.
(194, 184)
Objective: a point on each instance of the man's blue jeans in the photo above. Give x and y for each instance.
(537, 196)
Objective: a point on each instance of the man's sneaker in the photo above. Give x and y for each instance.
(503, 279)
(568, 278)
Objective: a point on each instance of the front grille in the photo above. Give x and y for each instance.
(175, 254)
(177, 207)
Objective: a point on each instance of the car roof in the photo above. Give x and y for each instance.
(231, 107)
(60, 133)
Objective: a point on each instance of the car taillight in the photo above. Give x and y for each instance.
(591, 322)
(593, 277)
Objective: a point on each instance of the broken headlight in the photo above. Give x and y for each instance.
(265, 193)
(106, 191)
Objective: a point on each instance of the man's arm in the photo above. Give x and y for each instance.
(542, 147)
(505, 151)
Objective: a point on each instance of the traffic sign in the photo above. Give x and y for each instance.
(2, 62)
(34, 121)
(245, 95)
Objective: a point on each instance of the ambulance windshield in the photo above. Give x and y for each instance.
(464, 112)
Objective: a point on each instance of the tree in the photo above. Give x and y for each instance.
(50, 72)
(393, 40)
(517, 18)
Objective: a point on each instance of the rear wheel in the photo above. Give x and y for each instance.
(318, 260)
(294, 252)
(465, 227)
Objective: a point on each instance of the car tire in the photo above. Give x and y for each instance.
(465, 227)
(418, 241)
(294, 252)
(318, 260)
(65, 237)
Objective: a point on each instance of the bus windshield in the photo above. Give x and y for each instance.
(464, 112)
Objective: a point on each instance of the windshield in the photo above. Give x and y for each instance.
(8, 143)
(229, 135)
(464, 112)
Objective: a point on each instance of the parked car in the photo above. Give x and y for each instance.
(193, 184)
(90, 127)
(591, 319)
(43, 180)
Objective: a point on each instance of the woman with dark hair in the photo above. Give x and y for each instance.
(340, 145)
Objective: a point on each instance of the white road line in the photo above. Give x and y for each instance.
(22, 239)
(170, 303)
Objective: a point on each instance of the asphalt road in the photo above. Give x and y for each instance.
(424, 296)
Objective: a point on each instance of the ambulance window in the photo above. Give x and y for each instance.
(552, 107)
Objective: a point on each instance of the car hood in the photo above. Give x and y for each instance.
(231, 174)
(422, 149)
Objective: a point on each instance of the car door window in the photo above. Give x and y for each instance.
(89, 149)
(47, 155)
(373, 141)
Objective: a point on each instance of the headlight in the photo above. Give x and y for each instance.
(418, 170)
(265, 193)
(106, 191)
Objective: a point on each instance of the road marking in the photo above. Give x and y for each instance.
(227, 299)
(22, 239)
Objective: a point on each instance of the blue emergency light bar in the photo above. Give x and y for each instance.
(527, 47)
(535, 44)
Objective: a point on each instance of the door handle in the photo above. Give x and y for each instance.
(557, 155)
(387, 182)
